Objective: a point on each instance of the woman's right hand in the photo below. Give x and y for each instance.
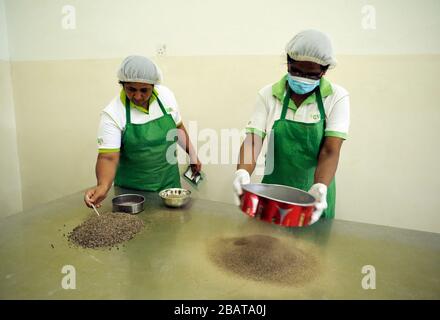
(95, 196)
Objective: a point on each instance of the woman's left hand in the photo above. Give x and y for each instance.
(196, 166)
(319, 191)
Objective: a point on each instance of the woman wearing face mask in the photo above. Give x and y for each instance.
(305, 119)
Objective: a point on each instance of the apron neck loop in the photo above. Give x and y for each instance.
(318, 100)
(127, 107)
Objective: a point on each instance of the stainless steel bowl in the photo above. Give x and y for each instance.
(128, 203)
(175, 197)
(283, 205)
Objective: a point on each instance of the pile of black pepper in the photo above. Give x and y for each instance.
(106, 230)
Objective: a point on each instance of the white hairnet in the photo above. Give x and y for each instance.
(312, 45)
(139, 69)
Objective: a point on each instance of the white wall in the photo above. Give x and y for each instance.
(10, 183)
(4, 45)
(113, 29)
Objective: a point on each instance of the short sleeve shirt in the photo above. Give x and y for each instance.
(269, 105)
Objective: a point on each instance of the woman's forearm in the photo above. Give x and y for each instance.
(327, 165)
(185, 143)
(249, 151)
(106, 169)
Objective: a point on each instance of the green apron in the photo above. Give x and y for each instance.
(294, 150)
(143, 163)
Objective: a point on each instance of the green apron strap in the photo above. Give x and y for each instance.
(286, 103)
(160, 104)
(320, 104)
(127, 110)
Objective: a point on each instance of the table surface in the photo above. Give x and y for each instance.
(169, 259)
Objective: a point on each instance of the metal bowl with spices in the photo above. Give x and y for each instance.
(175, 197)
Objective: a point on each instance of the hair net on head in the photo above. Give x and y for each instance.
(139, 69)
(312, 45)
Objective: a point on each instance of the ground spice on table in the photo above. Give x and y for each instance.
(263, 258)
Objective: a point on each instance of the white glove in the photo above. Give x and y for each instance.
(241, 177)
(319, 191)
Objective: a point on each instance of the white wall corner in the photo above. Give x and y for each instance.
(10, 185)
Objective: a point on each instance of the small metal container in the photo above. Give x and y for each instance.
(175, 197)
(128, 203)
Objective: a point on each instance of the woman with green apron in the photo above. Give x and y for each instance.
(140, 154)
(302, 153)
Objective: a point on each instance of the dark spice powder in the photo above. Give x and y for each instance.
(263, 258)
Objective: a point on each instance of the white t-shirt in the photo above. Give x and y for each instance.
(113, 118)
(270, 104)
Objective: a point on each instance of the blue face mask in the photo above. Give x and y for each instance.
(301, 85)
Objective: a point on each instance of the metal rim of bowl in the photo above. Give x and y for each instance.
(185, 194)
(278, 200)
(128, 194)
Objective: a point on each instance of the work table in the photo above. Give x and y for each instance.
(168, 259)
